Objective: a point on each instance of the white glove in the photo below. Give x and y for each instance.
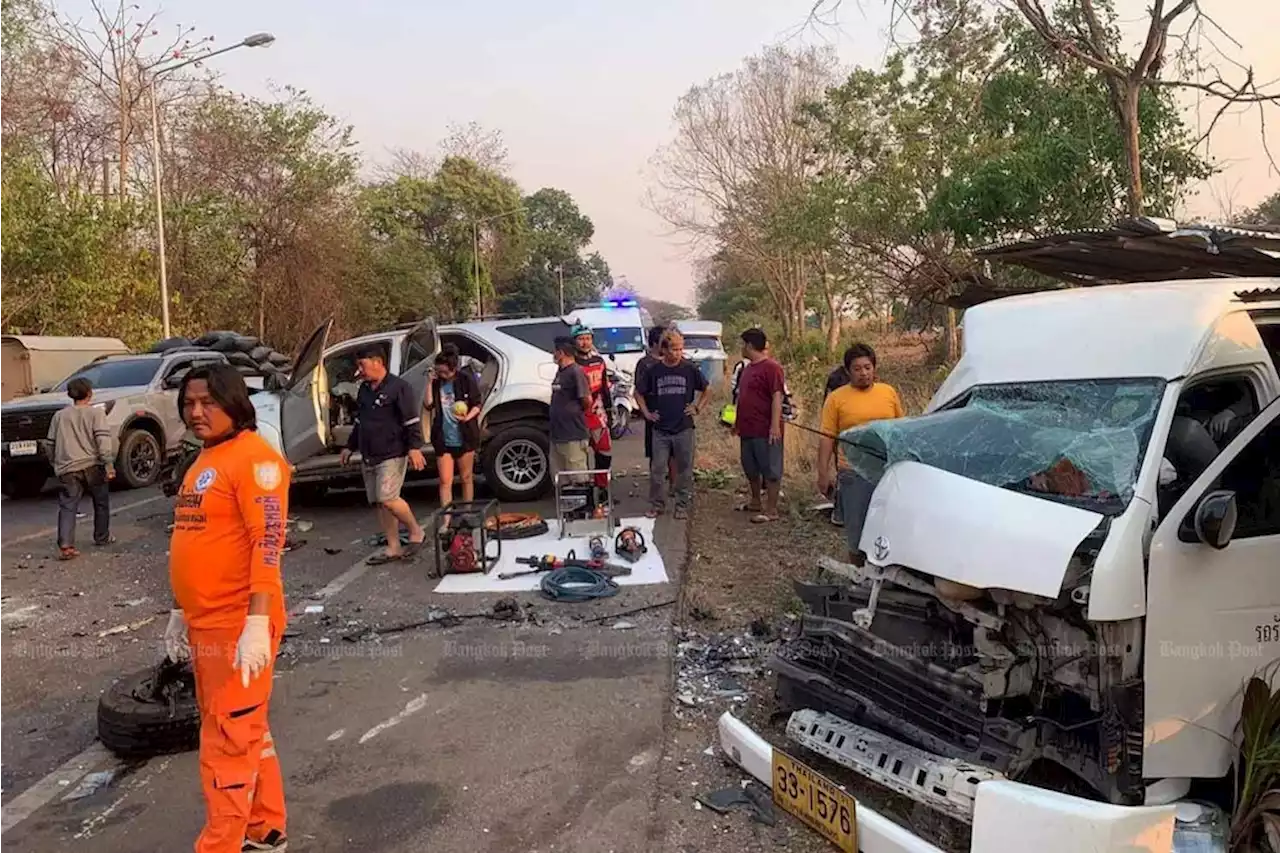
(253, 651)
(176, 645)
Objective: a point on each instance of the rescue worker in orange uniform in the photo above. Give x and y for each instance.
(229, 612)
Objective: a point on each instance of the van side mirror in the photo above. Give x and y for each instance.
(611, 357)
(1213, 521)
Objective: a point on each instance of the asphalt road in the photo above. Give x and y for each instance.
(538, 735)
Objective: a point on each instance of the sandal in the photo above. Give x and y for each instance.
(67, 553)
(763, 519)
(383, 559)
(652, 513)
(110, 540)
(749, 508)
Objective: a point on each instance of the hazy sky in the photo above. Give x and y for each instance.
(583, 91)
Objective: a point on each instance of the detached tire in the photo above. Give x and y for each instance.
(152, 712)
(517, 464)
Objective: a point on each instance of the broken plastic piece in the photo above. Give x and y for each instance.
(752, 795)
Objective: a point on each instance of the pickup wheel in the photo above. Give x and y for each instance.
(139, 461)
(517, 464)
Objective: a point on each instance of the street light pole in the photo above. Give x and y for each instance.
(560, 275)
(255, 40)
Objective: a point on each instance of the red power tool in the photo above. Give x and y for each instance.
(550, 562)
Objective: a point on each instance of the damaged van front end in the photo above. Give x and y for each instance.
(987, 646)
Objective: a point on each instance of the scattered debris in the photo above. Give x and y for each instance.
(91, 784)
(314, 608)
(126, 628)
(304, 526)
(132, 602)
(623, 625)
(293, 544)
(506, 608)
(331, 551)
(753, 795)
(339, 733)
(712, 668)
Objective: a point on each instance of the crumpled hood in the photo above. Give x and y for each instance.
(952, 527)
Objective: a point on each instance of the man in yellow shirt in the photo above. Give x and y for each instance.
(861, 401)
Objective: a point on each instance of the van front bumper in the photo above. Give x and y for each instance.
(1008, 817)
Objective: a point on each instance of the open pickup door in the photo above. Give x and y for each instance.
(420, 348)
(304, 405)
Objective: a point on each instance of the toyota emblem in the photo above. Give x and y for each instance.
(881, 546)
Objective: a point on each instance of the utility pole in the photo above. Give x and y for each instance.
(475, 251)
(560, 274)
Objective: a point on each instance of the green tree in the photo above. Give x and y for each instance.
(559, 233)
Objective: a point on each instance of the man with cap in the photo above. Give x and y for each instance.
(599, 419)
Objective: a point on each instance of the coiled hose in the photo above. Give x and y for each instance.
(574, 583)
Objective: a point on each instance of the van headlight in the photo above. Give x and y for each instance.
(1199, 827)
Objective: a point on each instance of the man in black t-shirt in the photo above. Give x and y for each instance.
(673, 392)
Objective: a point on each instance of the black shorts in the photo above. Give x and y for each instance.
(455, 452)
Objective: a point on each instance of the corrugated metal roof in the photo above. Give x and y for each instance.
(40, 343)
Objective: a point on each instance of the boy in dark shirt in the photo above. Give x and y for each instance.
(673, 393)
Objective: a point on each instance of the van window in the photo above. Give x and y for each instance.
(1254, 476)
(619, 339)
(541, 335)
(701, 342)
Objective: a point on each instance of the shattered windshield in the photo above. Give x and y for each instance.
(1079, 442)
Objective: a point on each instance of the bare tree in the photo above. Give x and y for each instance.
(739, 157)
(112, 58)
(1181, 40)
(477, 143)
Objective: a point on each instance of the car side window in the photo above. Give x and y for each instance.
(1254, 476)
(413, 353)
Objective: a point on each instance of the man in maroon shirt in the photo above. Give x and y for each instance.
(759, 425)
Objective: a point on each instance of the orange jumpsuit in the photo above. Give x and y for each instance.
(228, 537)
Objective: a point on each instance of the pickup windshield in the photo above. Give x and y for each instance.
(1079, 442)
(618, 339)
(702, 342)
(116, 373)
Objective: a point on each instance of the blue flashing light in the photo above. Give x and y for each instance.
(619, 303)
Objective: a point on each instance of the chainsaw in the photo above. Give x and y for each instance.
(550, 562)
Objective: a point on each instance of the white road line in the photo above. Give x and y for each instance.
(49, 531)
(31, 800)
(412, 707)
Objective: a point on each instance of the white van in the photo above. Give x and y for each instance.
(704, 347)
(1057, 582)
(619, 328)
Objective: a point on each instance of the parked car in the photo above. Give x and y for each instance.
(1063, 588)
(310, 420)
(139, 395)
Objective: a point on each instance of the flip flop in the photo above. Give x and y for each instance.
(749, 508)
(383, 559)
(652, 513)
(763, 519)
(68, 553)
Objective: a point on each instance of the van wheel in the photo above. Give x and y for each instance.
(140, 459)
(517, 464)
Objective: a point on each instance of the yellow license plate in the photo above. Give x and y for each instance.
(816, 800)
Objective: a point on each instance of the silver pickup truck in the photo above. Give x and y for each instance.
(140, 397)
